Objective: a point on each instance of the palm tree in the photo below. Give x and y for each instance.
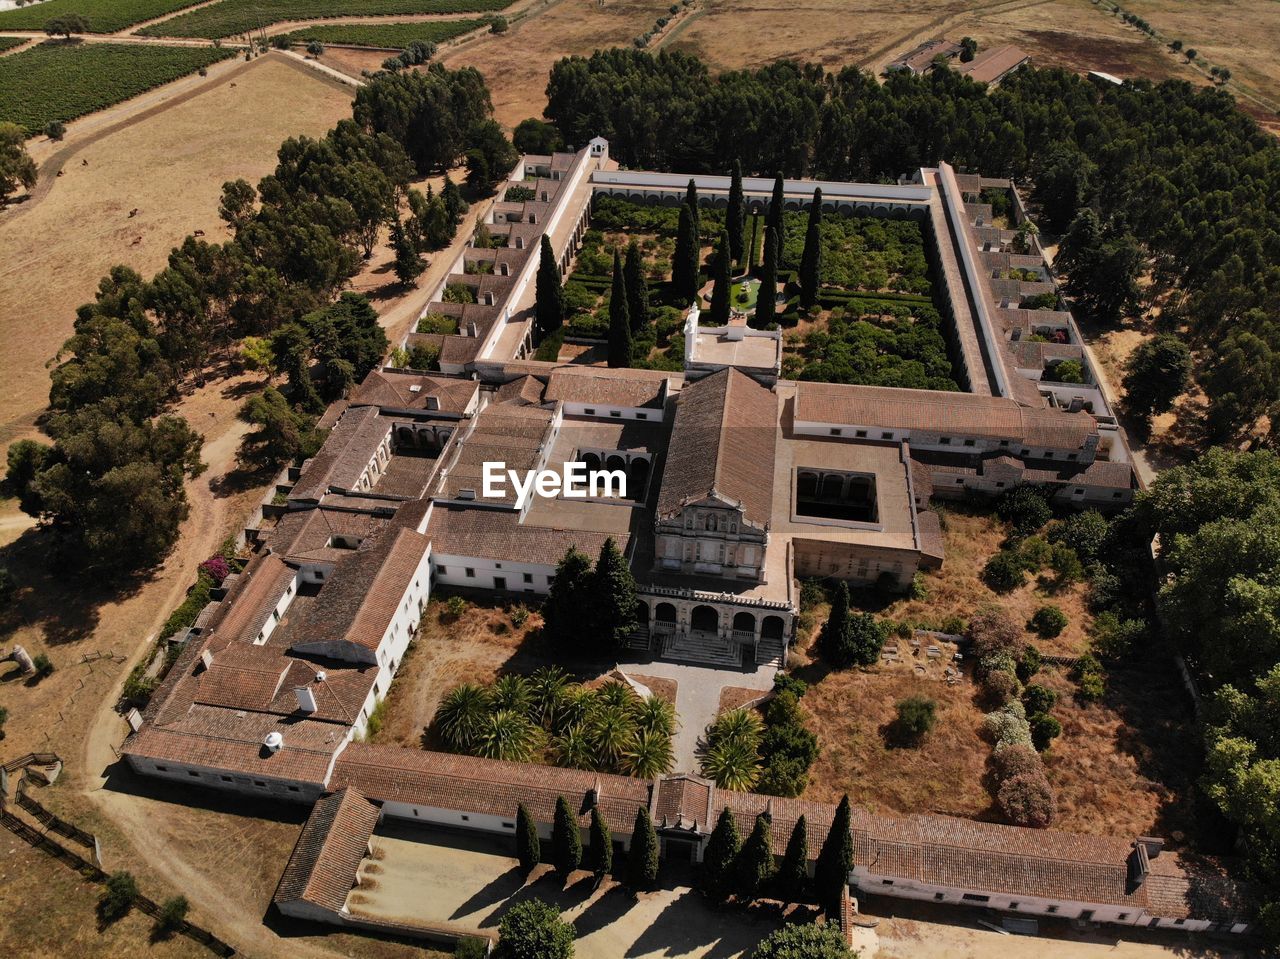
(614, 693)
(573, 749)
(461, 715)
(548, 686)
(731, 764)
(654, 714)
(513, 692)
(509, 735)
(649, 755)
(737, 725)
(576, 705)
(611, 732)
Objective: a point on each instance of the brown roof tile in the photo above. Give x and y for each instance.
(323, 865)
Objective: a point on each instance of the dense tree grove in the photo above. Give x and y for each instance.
(1183, 185)
(111, 485)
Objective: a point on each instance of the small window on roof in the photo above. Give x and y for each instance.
(590, 410)
(642, 416)
(836, 431)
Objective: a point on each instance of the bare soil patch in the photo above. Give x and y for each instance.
(735, 697)
(660, 687)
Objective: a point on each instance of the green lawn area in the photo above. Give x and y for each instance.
(392, 36)
(744, 300)
(57, 81)
(231, 17)
(104, 16)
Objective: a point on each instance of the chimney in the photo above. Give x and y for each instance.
(206, 657)
(1152, 845)
(306, 699)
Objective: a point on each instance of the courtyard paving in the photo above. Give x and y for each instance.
(427, 875)
(698, 699)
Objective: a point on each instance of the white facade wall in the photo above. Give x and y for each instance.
(870, 882)
(193, 774)
(277, 614)
(451, 570)
(603, 411)
(933, 441)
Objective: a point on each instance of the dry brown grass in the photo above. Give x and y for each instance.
(170, 167)
(660, 687)
(972, 535)
(852, 711)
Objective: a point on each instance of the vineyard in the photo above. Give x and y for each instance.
(390, 36)
(8, 43)
(104, 16)
(232, 17)
(57, 81)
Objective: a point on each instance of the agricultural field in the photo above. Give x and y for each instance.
(59, 81)
(231, 17)
(8, 43)
(104, 16)
(391, 36)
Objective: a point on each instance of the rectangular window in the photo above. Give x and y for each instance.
(294, 789)
(860, 434)
(260, 784)
(616, 414)
(835, 432)
(466, 819)
(945, 440)
(886, 882)
(937, 896)
(470, 572)
(642, 416)
(590, 411)
(886, 436)
(226, 779)
(162, 769)
(1004, 442)
(1014, 905)
(1122, 917)
(968, 442)
(442, 570)
(1051, 910)
(1086, 914)
(974, 897)
(192, 772)
(508, 825)
(528, 577)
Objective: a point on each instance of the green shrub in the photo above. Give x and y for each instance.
(185, 614)
(1116, 638)
(1000, 687)
(138, 687)
(1027, 800)
(1004, 571)
(1038, 699)
(471, 947)
(173, 913)
(1025, 509)
(1029, 663)
(917, 716)
(455, 606)
(118, 896)
(1049, 621)
(1044, 730)
(43, 665)
(1088, 673)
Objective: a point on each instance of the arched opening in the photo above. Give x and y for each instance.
(615, 462)
(638, 478)
(744, 623)
(772, 627)
(591, 460)
(704, 619)
(642, 613)
(807, 484)
(832, 486)
(406, 436)
(664, 618)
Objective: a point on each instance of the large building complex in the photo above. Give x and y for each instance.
(738, 483)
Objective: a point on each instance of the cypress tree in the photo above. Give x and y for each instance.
(793, 876)
(811, 260)
(619, 318)
(836, 628)
(549, 308)
(735, 216)
(754, 865)
(774, 216)
(454, 205)
(637, 288)
(684, 263)
(528, 848)
(721, 290)
(566, 612)
(691, 198)
(613, 595)
(566, 840)
(601, 849)
(409, 264)
(767, 298)
(642, 860)
(719, 857)
(831, 872)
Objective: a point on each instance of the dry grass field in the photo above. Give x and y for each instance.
(170, 167)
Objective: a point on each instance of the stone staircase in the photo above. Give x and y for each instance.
(706, 649)
(769, 652)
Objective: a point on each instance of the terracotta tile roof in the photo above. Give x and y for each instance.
(1032, 354)
(305, 535)
(991, 65)
(360, 598)
(245, 609)
(526, 389)
(231, 741)
(685, 801)
(345, 453)
(964, 414)
(323, 865)
(931, 543)
(415, 391)
(499, 534)
(242, 676)
(919, 59)
(614, 390)
(722, 443)
(486, 786)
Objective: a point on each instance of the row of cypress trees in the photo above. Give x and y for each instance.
(731, 867)
(568, 854)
